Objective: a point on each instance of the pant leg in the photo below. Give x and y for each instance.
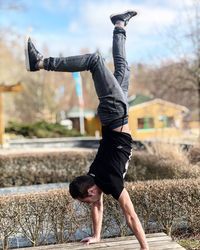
(112, 103)
(122, 71)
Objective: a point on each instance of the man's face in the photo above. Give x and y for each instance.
(89, 199)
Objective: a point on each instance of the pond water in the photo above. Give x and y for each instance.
(32, 188)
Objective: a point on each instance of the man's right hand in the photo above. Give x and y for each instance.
(90, 240)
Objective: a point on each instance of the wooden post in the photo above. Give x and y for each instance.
(4, 88)
(1, 120)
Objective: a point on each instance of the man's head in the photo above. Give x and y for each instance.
(83, 188)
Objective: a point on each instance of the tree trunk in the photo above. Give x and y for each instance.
(199, 106)
(5, 243)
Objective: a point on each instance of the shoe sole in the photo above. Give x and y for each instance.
(123, 13)
(27, 61)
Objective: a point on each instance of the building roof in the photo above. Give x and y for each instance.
(75, 113)
(162, 102)
(138, 99)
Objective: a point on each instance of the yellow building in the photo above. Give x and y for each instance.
(151, 119)
(192, 124)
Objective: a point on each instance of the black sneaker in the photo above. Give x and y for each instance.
(125, 16)
(32, 56)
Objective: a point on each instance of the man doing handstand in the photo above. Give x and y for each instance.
(107, 172)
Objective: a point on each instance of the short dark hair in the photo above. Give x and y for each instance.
(78, 188)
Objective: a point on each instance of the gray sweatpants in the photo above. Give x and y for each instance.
(112, 90)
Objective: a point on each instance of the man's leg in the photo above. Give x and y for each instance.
(112, 103)
(122, 71)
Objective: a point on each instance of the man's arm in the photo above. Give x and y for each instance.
(132, 219)
(97, 217)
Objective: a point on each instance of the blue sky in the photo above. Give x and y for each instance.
(69, 26)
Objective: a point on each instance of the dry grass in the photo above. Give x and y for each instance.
(194, 155)
(168, 151)
(162, 161)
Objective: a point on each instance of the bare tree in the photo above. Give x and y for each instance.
(186, 43)
(178, 79)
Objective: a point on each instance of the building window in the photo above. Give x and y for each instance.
(145, 123)
(168, 121)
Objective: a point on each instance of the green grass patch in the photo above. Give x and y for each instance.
(40, 129)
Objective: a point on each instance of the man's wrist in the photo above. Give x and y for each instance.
(98, 237)
(144, 246)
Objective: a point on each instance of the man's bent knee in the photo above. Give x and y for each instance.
(95, 59)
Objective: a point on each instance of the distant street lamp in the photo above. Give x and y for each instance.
(79, 92)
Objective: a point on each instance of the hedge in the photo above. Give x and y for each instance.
(38, 168)
(17, 169)
(53, 217)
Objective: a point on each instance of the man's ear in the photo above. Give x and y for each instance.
(92, 190)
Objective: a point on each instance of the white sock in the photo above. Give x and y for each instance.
(120, 24)
(40, 64)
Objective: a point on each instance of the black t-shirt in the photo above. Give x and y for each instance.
(111, 162)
